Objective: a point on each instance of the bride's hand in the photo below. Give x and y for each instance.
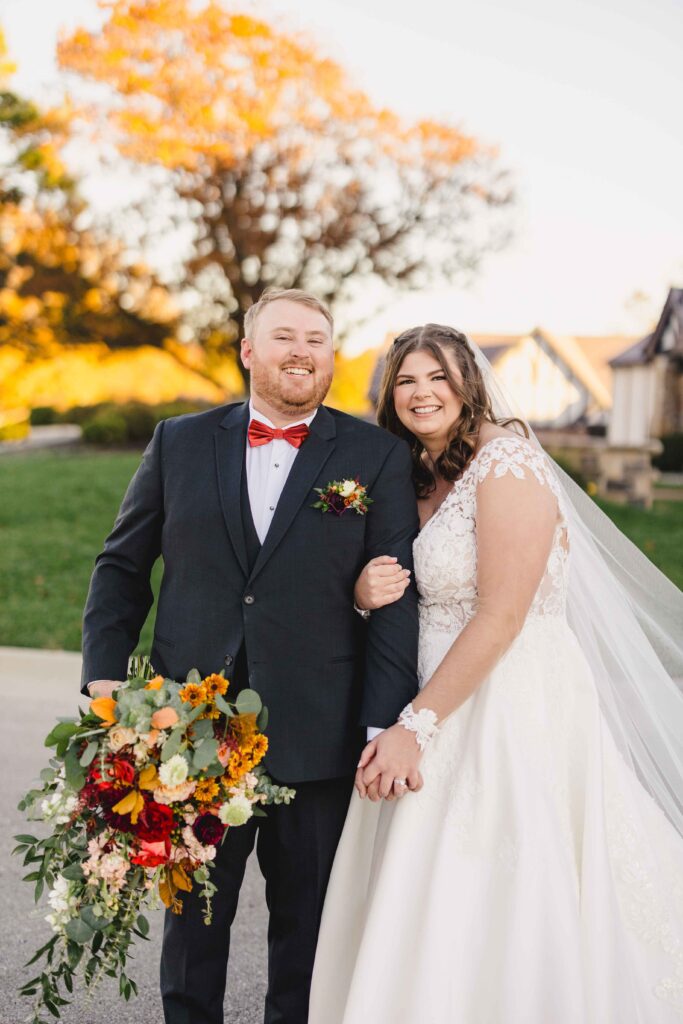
(381, 582)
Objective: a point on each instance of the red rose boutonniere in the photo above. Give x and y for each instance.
(342, 496)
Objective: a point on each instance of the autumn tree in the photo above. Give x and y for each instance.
(291, 175)
(61, 283)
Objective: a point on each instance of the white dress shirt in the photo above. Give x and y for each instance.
(268, 467)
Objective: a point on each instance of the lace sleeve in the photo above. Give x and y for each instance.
(517, 513)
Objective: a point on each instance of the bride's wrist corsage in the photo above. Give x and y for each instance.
(422, 723)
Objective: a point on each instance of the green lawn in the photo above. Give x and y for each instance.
(56, 509)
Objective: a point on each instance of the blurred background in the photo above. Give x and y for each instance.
(512, 170)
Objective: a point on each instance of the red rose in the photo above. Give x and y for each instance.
(208, 829)
(155, 822)
(150, 855)
(124, 771)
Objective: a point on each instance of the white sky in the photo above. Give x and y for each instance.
(583, 100)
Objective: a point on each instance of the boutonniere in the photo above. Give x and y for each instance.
(342, 496)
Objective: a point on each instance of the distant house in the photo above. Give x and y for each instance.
(648, 381)
(558, 382)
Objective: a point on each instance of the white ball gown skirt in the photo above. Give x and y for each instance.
(531, 881)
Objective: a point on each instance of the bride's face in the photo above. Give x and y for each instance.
(424, 400)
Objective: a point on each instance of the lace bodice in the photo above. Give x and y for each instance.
(446, 548)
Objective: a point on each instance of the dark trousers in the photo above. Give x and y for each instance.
(295, 846)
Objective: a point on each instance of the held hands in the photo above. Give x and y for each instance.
(381, 582)
(392, 756)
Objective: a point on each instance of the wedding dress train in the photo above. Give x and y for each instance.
(532, 880)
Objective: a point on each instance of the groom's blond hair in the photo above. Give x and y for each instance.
(290, 295)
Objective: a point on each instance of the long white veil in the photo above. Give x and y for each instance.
(628, 618)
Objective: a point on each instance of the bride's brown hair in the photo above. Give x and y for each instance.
(476, 404)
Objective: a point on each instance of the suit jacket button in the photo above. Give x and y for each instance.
(249, 599)
(228, 659)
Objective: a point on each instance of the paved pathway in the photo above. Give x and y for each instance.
(51, 436)
(36, 687)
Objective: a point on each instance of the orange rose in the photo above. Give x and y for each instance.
(155, 684)
(164, 718)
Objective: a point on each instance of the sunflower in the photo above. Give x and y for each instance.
(214, 684)
(193, 693)
(206, 790)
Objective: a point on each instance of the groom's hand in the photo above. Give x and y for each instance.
(396, 756)
(103, 687)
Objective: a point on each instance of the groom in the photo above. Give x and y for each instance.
(259, 582)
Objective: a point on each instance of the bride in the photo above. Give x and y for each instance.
(526, 866)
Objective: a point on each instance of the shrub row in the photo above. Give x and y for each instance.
(671, 459)
(109, 423)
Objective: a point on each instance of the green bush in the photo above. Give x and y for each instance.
(140, 420)
(106, 427)
(44, 416)
(130, 423)
(671, 459)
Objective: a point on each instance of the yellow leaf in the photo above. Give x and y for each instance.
(165, 893)
(181, 878)
(148, 777)
(132, 803)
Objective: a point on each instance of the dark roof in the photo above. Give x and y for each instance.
(645, 349)
(635, 355)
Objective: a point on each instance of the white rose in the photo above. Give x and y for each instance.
(174, 772)
(347, 488)
(236, 811)
(121, 736)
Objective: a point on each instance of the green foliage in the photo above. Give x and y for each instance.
(129, 423)
(106, 427)
(43, 416)
(671, 458)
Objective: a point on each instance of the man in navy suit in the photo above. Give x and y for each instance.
(260, 582)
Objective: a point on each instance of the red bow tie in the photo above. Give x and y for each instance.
(260, 433)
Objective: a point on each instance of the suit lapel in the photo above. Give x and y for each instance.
(311, 458)
(230, 441)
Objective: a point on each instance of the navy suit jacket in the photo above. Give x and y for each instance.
(322, 671)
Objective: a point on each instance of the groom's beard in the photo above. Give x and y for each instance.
(291, 397)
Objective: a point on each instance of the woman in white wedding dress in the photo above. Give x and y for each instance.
(532, 879)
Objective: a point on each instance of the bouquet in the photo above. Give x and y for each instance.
(139, 794)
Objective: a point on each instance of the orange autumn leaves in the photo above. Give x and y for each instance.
(203, 86)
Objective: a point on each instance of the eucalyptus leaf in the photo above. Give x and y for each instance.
(62, 731)
(75, 776)
(92, 920)
(262, 720)
(88, 755)
(204, 753)
(203, 729)
(223, 706)
(248, 702)
(74, 872)
(193, 676)
(172, 744)
(78, 931)
(195, 713)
